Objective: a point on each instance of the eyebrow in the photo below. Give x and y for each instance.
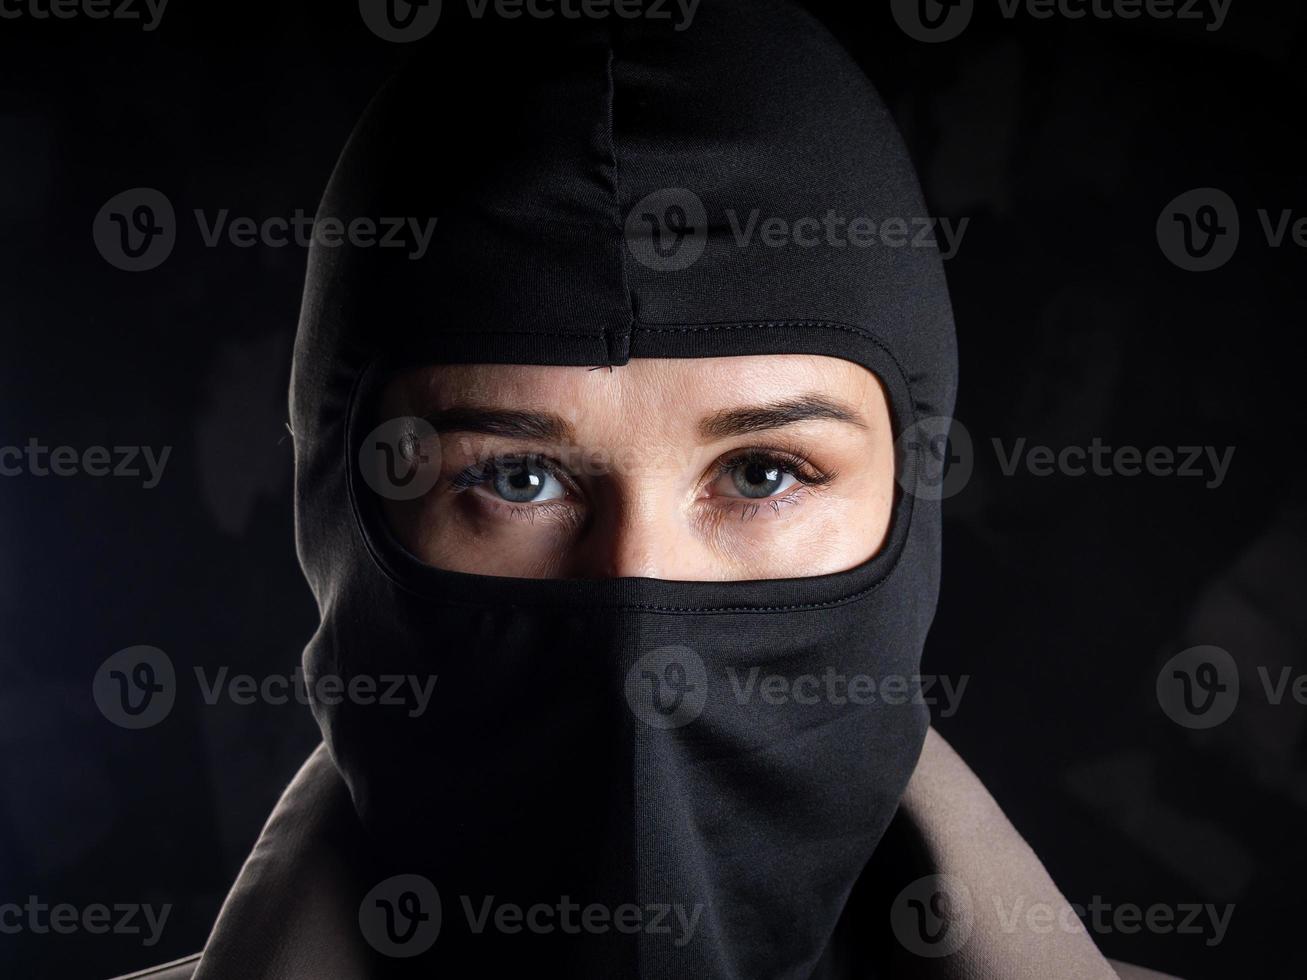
(756, 418)
(514, 424)
(502, 422)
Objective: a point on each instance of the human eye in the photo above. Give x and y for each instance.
(762, 475)
(515, 480)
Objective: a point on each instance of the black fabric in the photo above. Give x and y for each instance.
(531, 777)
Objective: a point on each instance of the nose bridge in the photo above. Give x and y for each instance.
(636, 530)
(638, 540)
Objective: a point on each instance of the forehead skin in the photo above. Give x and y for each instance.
(659, 400)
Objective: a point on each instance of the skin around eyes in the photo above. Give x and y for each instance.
(673, 469)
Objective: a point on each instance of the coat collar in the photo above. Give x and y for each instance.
(293, 911)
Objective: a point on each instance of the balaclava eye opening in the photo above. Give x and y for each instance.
(596, 742)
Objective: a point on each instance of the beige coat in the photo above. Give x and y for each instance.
(288, 916)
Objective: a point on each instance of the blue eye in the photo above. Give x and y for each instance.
(525, 481)
(760, 478)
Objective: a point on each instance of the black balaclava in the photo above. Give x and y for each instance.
(587, 741)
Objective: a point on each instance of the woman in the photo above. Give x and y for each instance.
(631, 465)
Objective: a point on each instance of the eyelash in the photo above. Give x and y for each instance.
(483, 471)
(798, 465)
(810, 480)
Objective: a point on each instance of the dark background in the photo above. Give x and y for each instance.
(1061, 140)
